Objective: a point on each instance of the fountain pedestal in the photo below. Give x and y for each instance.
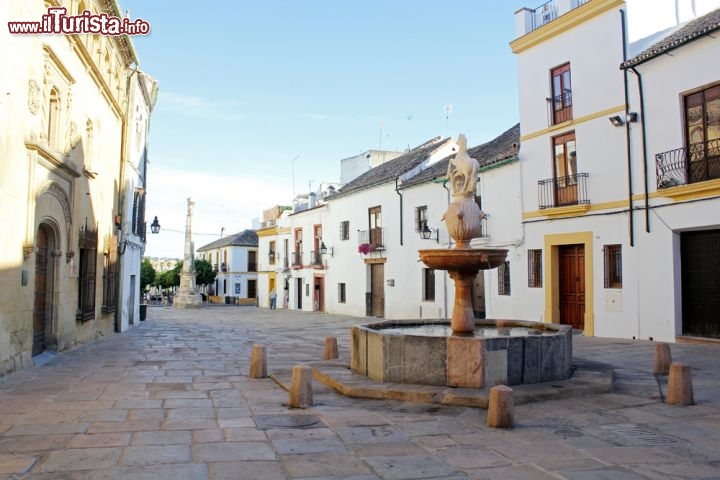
(463, 318)
(462, 266)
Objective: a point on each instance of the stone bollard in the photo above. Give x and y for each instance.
(663, 359)
(258, 362)
(331, 350)
(301, 387)
(500, 407)
(679, 389)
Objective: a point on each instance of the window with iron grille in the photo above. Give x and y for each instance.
(86, 277)
(252, 288)
(345, 230)
(341, 293)
(504, 279)
(428, 284)
(420, 218)
(535, 268)
(613, 266)
(110, 277)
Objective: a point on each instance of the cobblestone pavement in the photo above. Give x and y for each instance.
(171, 399)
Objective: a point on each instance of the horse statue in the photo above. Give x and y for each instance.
(462, 170)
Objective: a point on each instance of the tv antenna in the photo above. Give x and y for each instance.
(448, 112)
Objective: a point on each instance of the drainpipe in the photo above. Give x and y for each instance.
(644, 148)
(627, 132)
(397, 190)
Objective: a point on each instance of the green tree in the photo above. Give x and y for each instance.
(173, 276)
(205, 275)
(147, 274)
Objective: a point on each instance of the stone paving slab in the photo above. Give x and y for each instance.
(171, 400)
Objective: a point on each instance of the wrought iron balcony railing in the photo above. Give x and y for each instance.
(286, 263)
(373, 238)
(560, 108)
(549, 11)
(315, 258)
(697, 163)
(297, 259)
(252, 266)
(563, 191)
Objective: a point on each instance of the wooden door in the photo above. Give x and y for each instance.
(700, 277)
(319, 294)
(572, 286)
(377, 289)
(566, 189)
(40, 315)
(298, 297)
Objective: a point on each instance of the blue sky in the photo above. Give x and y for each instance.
(245, 89)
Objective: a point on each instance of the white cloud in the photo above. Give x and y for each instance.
(193, 106)
(221, 200)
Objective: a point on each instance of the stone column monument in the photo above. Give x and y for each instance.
(187, 296)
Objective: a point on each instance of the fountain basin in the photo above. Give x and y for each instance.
(473, 359)
(463, 260)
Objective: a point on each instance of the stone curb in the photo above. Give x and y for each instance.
(586, 380)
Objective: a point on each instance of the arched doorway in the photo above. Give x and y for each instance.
(42, 312)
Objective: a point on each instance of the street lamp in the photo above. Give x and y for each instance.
(155, 226)
(324, 249)
(426, 233)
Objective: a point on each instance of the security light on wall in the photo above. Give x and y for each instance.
(619, 121)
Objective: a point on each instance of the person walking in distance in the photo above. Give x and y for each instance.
(273, 299)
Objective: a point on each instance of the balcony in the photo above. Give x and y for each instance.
(286, 263)
(528, 19)
(252, 266)
(223, 268)
(563, 191)
(297, 259)
(560, 108)
(373, 238)
(316, 259)
(697, 163)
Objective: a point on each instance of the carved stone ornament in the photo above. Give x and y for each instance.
(73, 137)
(34, 96)
(28, 250)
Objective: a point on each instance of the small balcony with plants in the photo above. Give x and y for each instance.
(371, 240)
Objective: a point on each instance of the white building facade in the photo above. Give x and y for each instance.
(585, 205)
(235, 258)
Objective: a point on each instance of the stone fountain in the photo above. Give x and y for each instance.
(470, 353)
